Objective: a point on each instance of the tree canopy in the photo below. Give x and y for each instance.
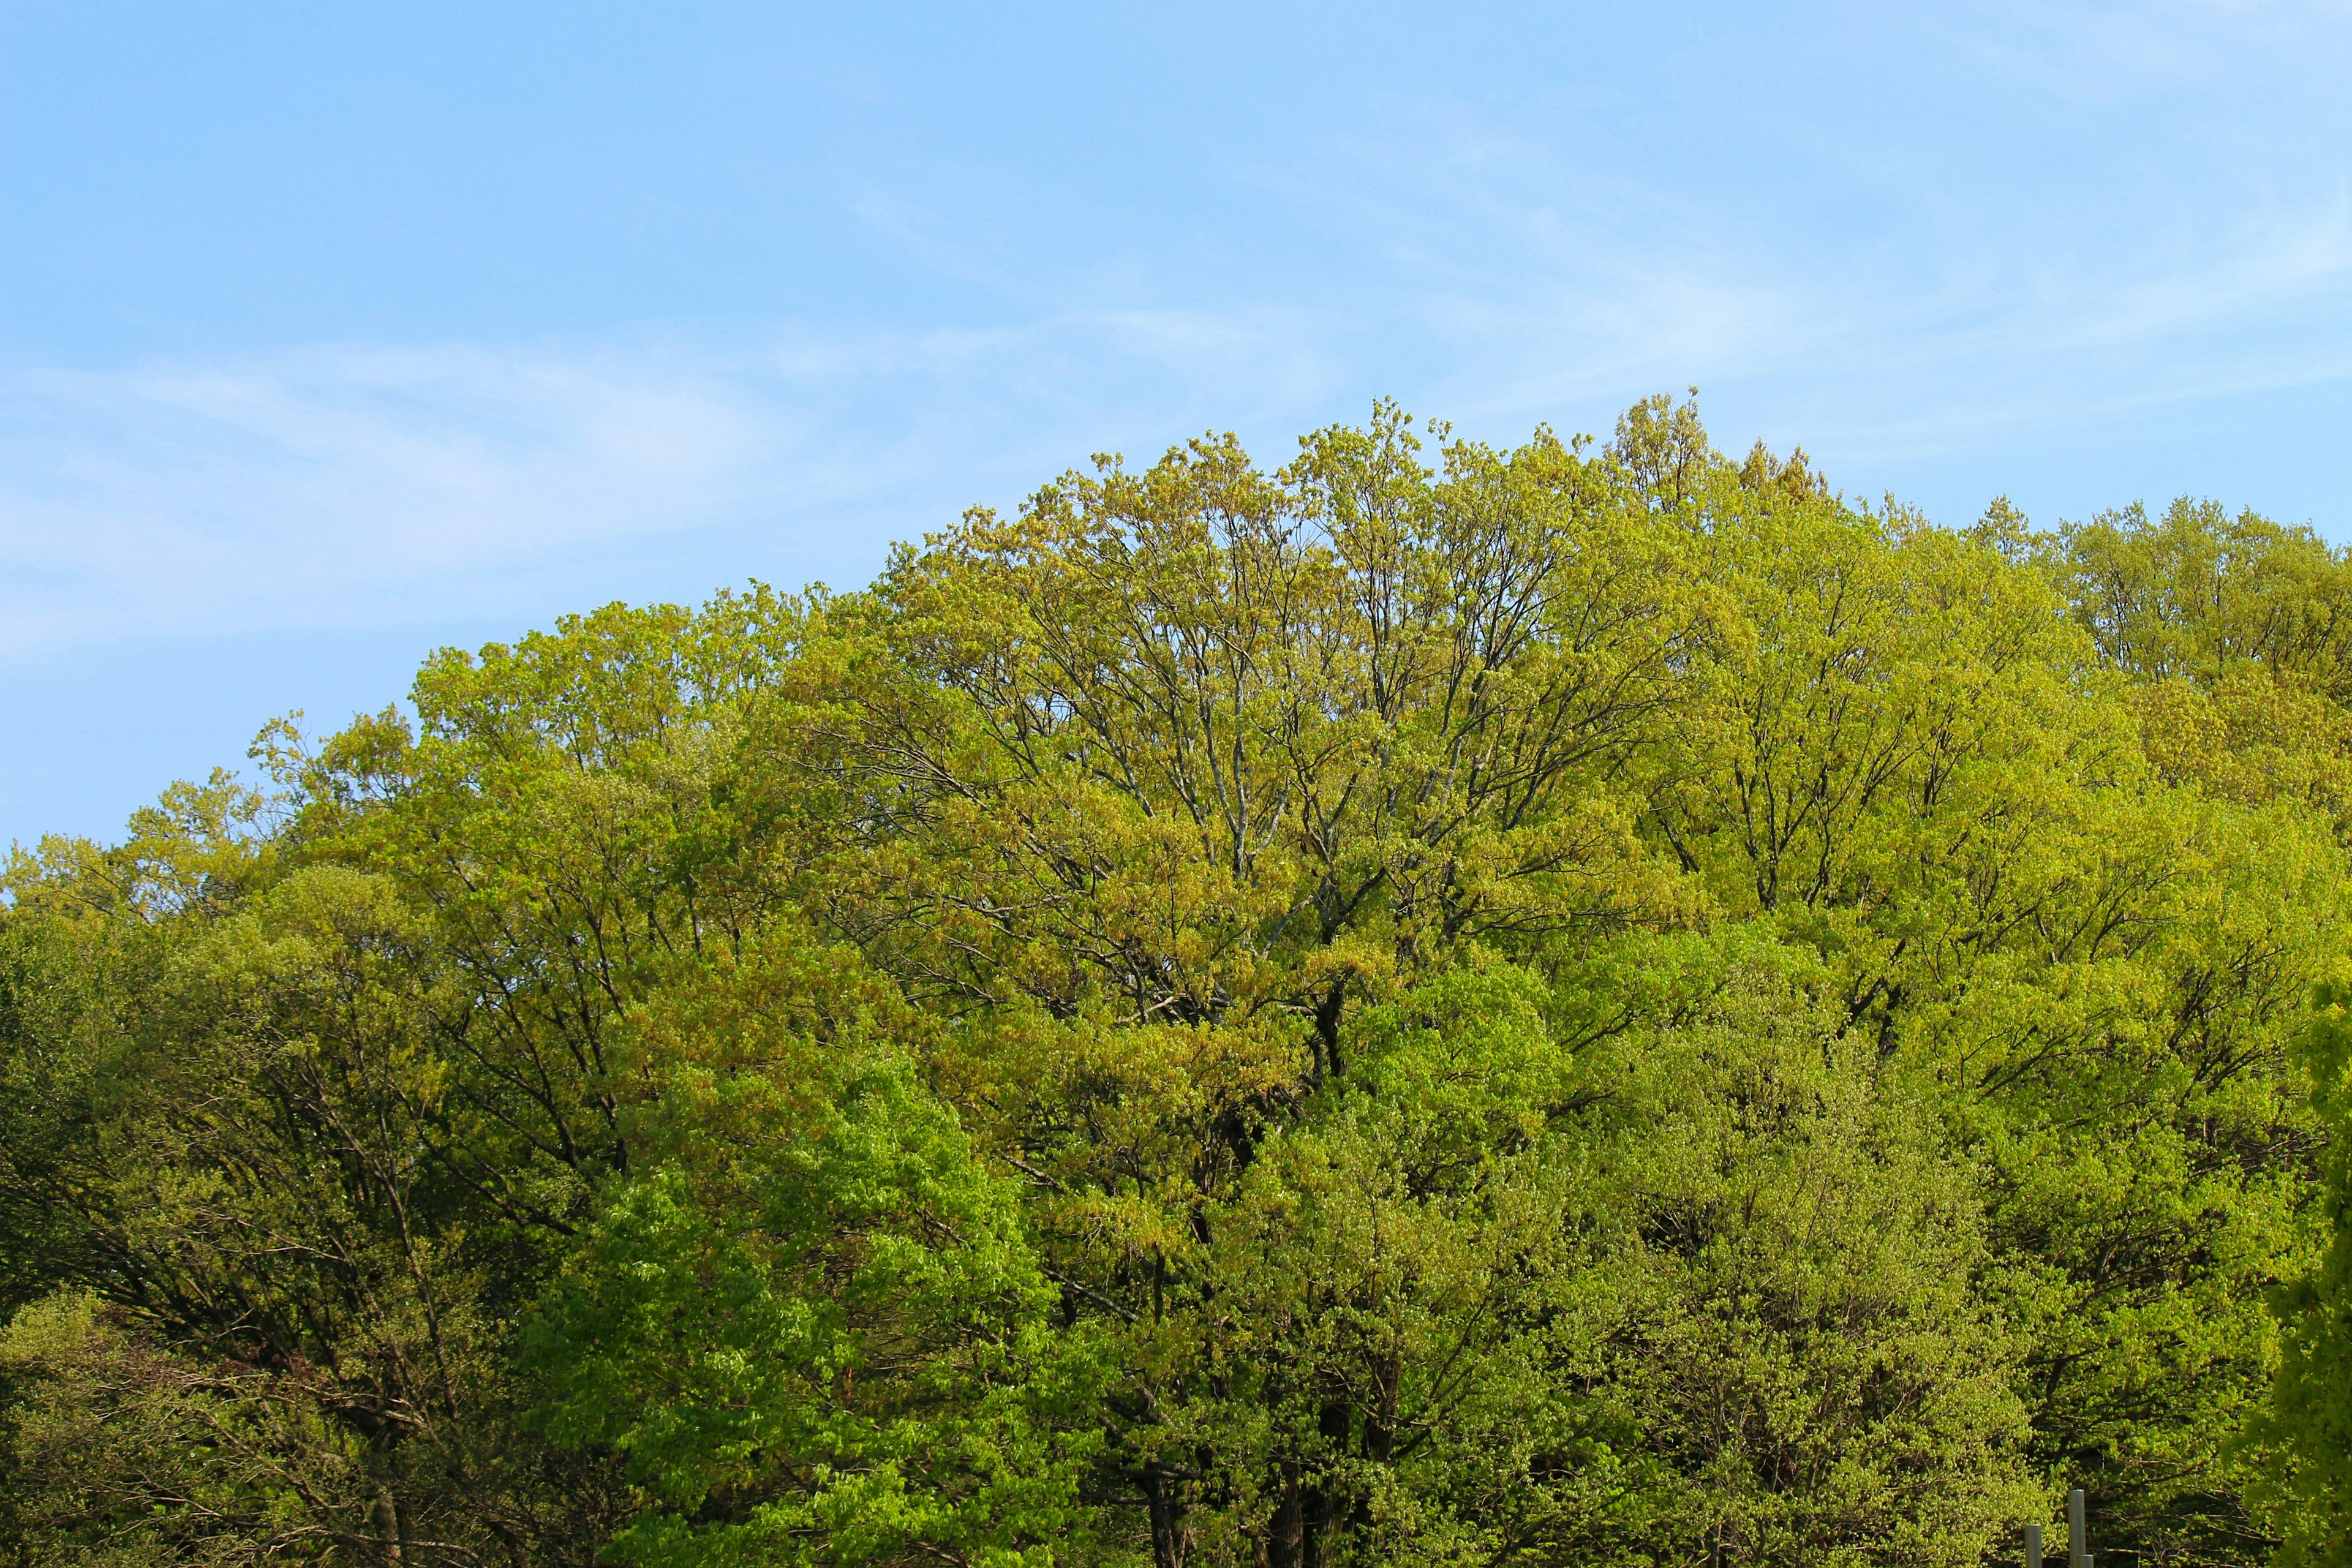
(1433, 1004)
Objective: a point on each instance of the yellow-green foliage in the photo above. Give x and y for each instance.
(1430, 1005)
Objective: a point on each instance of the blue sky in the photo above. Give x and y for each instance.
(332, 333)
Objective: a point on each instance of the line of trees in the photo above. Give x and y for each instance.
(1436, 1005)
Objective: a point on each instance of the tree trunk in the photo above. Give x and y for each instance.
(1285, 1534)
(385, 1516)
(1171, 1540)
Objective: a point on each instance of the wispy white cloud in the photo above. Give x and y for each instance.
(2108, 52)
(369, 484)
(1546, 285)
(1496, 266)
(373, 484)
(344, 482)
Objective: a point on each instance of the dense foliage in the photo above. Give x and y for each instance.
(1432, 1006)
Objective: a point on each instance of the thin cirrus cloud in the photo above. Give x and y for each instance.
(378, 484)
(2105, 54)
(644, 330)
(1857, 285)
(1497, 264)
(372, 484)
(341, 482)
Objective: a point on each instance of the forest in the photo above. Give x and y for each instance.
(1591, 1003)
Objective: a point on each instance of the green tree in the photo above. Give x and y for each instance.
(1431, 1005)
(810, 1321)
(2306, 1443)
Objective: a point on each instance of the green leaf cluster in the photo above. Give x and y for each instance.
(1433, 1004)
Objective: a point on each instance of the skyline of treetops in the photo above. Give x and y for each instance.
(1432, 1004)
